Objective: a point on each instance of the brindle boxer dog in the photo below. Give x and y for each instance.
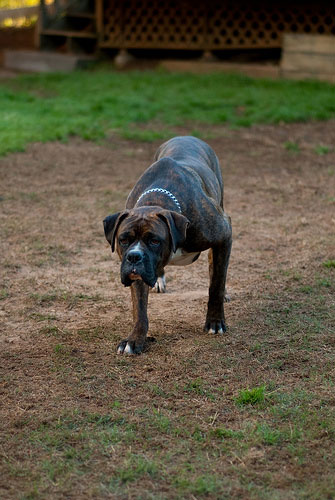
(174, 212)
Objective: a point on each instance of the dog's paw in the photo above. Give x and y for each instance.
(132, 347)
(160, 285)
(226, 296)
(129, 347)
(215, 326)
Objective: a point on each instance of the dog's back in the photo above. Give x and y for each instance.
(194, 153)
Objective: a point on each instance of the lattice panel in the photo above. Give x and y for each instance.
(113, 25)
(216, 25)
(246, 25)
(155, 24)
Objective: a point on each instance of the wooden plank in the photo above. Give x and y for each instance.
(69, 34)
(99, 16)
(316, 63)
(317, 44)
(21, 12)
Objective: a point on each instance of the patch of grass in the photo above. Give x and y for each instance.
(293, 147)
(203, 486)
(222, 433)
(257, 347)
(45, 298)
(42, 317)
(62, 350)
(326, 282)
(4, 294)
(251, 396)
(52, 330)
(46, 107)
(161, 421)
(269, 436)
(135, 467)
(195, 386)
(305, 423)
(81, 430)
(307, 289)
(199, 434)
(305, 314)
(64, 448)
(158, 391)
(329, 264)
(322, 150)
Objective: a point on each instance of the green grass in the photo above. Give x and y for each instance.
(293, 147)
(134, 468)
(308, 315)
(148, 105)
(4, 294)
(133, 453)
(251, 396)
(329, 263)
(322, 150)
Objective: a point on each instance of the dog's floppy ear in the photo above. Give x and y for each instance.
(111, 224)
(177, 225)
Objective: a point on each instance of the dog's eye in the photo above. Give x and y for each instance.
(123, 242)
(154, 242)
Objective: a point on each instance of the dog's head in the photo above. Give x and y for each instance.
(144, 238)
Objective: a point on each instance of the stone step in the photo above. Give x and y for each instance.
(40, 61)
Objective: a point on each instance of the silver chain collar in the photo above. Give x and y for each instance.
(163, 191)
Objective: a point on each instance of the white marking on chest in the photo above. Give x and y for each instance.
(182, 258)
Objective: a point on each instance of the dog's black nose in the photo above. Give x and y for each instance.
(134, 257)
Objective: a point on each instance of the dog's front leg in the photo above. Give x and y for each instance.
(218, 265)
(134, 344)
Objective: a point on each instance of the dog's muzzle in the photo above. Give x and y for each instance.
(136, 266)
(135, 258)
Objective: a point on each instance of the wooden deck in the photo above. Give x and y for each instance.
(186, 25)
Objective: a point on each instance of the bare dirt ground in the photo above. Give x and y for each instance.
(63, 311)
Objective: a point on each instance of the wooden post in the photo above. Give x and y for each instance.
(99, 19)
